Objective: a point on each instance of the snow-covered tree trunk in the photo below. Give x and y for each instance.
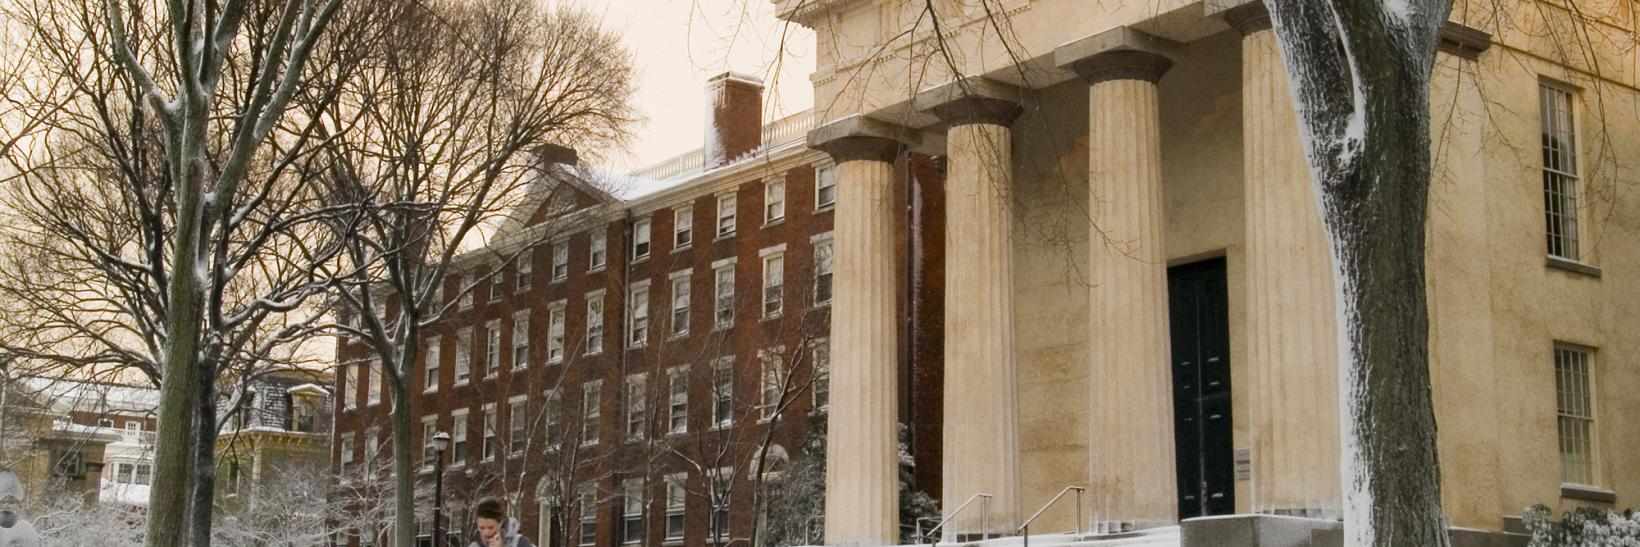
(1360, 74)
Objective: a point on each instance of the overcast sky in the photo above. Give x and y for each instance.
(679, 44)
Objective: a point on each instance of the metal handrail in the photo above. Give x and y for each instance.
(1024, 530)
(984, 516)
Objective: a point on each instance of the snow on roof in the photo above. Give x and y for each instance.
(70, 395)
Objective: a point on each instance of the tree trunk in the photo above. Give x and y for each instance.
(1364, 113)
(204, 494)
(404, 473)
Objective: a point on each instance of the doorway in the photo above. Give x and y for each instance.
(1204, 448)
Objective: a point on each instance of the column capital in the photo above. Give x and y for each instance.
(1248, 17)
(1121, 53)
(858, 138)
(972, 100)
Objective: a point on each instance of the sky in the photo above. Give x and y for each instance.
(678, 45)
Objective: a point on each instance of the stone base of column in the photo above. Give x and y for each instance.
(1254, 531)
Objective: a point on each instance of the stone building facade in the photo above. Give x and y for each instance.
(637, 360)
(1139, 296)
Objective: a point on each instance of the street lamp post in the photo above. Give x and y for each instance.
(441, 441)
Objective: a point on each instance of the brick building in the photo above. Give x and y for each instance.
(638, 368)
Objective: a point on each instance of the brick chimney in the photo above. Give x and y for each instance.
(734, 117)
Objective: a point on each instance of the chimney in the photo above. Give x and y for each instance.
(552, 154)
(734, 118)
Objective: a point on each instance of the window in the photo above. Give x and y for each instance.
(636, 407)
(774, 382)
(464, 355)
(683, 227)
(589, 514)
(725, 302)
(145, 474)
(721, 483)
(599, 255)
(554, 419)
(347, 451)
(680, 303)
(492, 349)
(774, 281)
(774, 201)
(1560, 179)
(521, 340)
(350, 382)
(676, 496)
(526, 269)
(133, 426)
(438, 290)
(591, 411)
(726, 215)
(466, 297)
(595, 322)
(458, 437)
(1575, 409)
(376, 376)
(825, 187)
(430, 377)
(105, 422)
(632, 511)
(555, 332)
(560, 261)
(429, 453)
(497, 287)
(640, 239)
(822, 271)
(822, 375)
(677, 413)
(723, 392)
(637, 318)
(518, 420)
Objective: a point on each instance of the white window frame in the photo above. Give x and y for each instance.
(677, 506)
(521, 340)
(637, 317)
(377, 377)
(458, 437)
(641, 244)
(498, 286)
(772, 387)
(595, 323)
(524, 270)
(553, 420)
(465, 298)
(774, 201)
(677, 400)
(681, 292)
(556, 314)
(1577, 430)
(774, 281)
(491, 436)
(824, 267)
(430, 365)
(598, 252)
(726, 211)
(723, 295)
(723, 392)
(492, 349)
(1562, 182)
(683, 227)
(560, 261)
(464, 356)
(429, 453)
(825, 178)
(820, 385)
(592, 398)
(346, 452)
(636, 414)
(632, 506)
(518, 421)
(587, 522)
(350, 386)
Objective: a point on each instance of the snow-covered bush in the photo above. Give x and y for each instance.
(1583, 527)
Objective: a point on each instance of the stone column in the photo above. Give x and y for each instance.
(981, 443)
(1292, 324)
(862, 460)
(1131, 412)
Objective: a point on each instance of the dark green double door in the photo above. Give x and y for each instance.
(1198, 302)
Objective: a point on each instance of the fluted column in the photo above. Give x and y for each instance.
(981, 446)
(1292, 349)
(1131, 413)
(862, 462)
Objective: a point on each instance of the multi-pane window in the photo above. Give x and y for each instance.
(144, 474)
(683, 227)
(1560, 178)
(376, 376)
(438, 291)
(497, 287)
(640, 239)
(677, 413)
(774, 382)
(822, 271)
(774, 282)
(518, 421)
(429, 453)
(599, 255)
(464, 355)
(774, 201)
(430, 370)
(555, 332)
(676, 498)
(726, 215)
(347, 451)
(465, 298)
(724, 281)
(723, 391)
(591, 410)
(490, 432)
(637, 317)
(632, 511)
(825, 187)
(492, 348)
(589, 514)
(526, 269)
(458, 436)
(680, 303)
(722, 481)
(350, 385)
(595, 322)
(637, 407)
(822, 375)
(560, 261)
(521, 340)
(1574, 405)
(553, 415)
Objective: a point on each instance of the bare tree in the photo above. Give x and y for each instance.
(436, 139)
(1364, 116)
